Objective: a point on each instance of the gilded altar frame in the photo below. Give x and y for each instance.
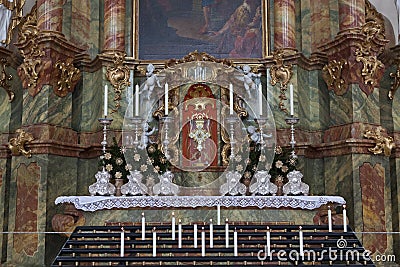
(143, 42)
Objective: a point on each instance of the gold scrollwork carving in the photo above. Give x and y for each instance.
(29, 70)
(281, 73)
(17, 144)
(16, 7)
(197, 56)
(396, 83)
(68, 76)
(383, 144)
(4, 78)
(118, 77)
(373, 45)
(332, 74)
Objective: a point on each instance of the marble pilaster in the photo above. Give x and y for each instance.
(50, 15)
(351, 14)
(80, 23)
(114, 25)
(284, 25)
(320, 23)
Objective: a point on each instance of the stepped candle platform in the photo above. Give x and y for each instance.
(199, 244)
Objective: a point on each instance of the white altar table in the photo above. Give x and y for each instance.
(94, 203)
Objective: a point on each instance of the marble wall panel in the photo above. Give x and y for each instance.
(5, 112)
(334, 17)
(303, 27)
(372, 180)
(320, 24)
(46, 107)
(80, 23)
(394, 189)
(66, 22)
(341, 109)
(89, 102)
(365, 108)
(385, 104)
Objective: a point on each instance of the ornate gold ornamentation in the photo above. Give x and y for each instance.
(384, 144)
(373, 45)
(396, 83)
(118, 77)
(29, 70)
(69, 75)
(281, 73)
(4, 78)
(16, 7)
(198, 56)
(17, 144)
(332, 75)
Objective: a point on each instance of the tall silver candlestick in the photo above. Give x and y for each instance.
(165, 135)
(232, 121)
(137, 129)
(292, 121)
(102, 186)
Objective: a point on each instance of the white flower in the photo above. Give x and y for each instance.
(109, 167)
(136, 157)
(118, 175)
(278, 164)
(262, 158)
(128, 167)
(239, 168)
(107, 156)
(143, 168)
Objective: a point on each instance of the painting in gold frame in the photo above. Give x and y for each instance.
(233, 29)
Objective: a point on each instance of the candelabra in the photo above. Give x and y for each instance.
(102, 186)
(294, 186)
(165, 138)
(137, 130)
(232, 121)
(292, 121)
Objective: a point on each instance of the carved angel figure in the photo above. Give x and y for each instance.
(233, 186)
(295, 186)
(151, 82)
(166, 186)
(135, 185)
(255, 135)
(102, 187)
(145, 135)
(248, 83)
(263, 185)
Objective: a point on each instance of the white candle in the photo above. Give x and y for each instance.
(154, 242)
(260, 98)
(268, 241)
(230, 99)
(105, 108)
(137, 100)
(195, 235)
(173, 226)
(131, 100)
(291, 100)
(179, 234)
(226, 234)
(211, 234)
(203, 242)
(219, 215)
(143, 227)
(166, 99)
(235, 244)
(344, 219)
(122, 247)
(329, 219)
(301, 241)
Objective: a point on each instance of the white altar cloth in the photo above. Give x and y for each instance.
(93, 203)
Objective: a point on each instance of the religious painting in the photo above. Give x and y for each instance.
(222, 28)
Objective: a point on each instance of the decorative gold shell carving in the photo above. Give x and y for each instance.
(4, 78)
(118, 77)
(16, 7)
(197, 56)
(281, 73)
(69, 75)
(17, 144)
(384, 144)
(332, 74)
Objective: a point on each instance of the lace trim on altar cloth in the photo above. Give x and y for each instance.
(94, 203)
